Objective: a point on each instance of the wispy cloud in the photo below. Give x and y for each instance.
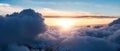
(104, 7)
(53, 12)
(4, 5)
(8, 9)
(73, 3)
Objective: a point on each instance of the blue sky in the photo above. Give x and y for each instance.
(106, 7)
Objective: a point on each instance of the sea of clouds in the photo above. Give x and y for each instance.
(27, 31)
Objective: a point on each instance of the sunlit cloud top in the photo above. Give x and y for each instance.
(105, 7)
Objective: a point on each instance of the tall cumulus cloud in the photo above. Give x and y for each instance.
(20, 27)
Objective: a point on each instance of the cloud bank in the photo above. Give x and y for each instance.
(103, 38)
(87, 44)
(20, 29)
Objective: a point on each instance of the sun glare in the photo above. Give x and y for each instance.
(65, 23)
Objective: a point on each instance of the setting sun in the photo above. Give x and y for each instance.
(65, 23)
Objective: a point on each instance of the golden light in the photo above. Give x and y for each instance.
(65, 23)
(68, 22)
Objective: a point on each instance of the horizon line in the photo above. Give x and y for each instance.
(81, 16)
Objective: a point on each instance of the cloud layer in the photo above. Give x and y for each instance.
(19, 33)
(99, 38)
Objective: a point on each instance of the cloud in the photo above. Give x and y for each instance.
(96, 5)
(80, 38)
(92, 32)
(86, 43)
(20, 28)
(14, 47)
(4, 5)
(53, 12)
(115, 37)
(8, 9)
(115, 22)
(61, 3)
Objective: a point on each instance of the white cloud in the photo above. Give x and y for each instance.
(8, 9)
(73, 3)
(3, 5)
(53, 12)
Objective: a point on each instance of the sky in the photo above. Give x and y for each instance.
(65, 7)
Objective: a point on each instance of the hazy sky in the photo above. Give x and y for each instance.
(106, 7)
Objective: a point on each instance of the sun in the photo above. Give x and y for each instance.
(65, 23)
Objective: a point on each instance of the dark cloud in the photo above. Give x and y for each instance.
(14, 47)
(115, 37)
(93, 32)
(21, 27)
(86, 43)
(115, 22)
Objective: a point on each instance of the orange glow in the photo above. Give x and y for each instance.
(65, 23)
(68, 22)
